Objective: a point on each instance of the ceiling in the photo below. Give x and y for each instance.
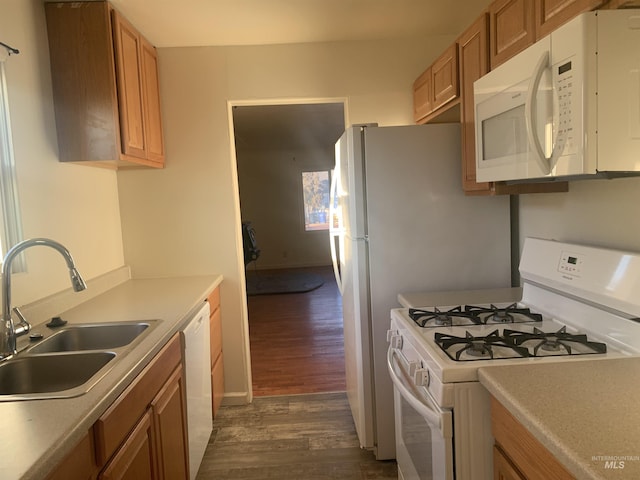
(167, 23)
(288, 127)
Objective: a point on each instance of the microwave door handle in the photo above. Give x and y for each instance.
(335, 233)
(429, 412)
(530, 115)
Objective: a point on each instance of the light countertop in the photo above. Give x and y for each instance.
(39, 433)
(585, 412)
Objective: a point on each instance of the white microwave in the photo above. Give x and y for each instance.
(567, 106)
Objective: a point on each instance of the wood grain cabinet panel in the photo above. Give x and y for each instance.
(422, 96)
(550, 14)
(105, 87)
(521, 450)
(473, 56)
(79, 464)
(502, 467)
(444, 74)
(512, 28)
(135, 459)
(169, 416)
(217, 364)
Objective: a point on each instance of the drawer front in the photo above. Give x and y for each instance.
(114, 425)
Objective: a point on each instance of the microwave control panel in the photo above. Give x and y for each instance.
(564, 83)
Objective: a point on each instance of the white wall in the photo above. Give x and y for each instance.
(594, 212)
(185, 219)
(75, 205)
(271, 199)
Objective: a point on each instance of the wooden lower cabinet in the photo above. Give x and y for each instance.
(79, 464)
(168, 411)
(502, 467)
(143, 434)
(135, 460)
(518, 455)
(217, 365)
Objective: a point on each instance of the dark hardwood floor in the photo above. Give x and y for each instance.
(296, 340)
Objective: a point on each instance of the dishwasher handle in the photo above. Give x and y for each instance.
(425, 405)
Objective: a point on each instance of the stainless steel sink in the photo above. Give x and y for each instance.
(100, 336)
(52, 376)
(69, 361)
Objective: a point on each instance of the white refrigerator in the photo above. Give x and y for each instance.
(402, 223)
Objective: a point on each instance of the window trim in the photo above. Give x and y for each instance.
(10, 206)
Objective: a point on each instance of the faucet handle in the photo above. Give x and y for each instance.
(24, 326)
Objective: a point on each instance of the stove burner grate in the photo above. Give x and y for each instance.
(558, 343)
(439, 318)
(509, 314)
(478, 347)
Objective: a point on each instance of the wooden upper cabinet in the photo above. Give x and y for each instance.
(473, 57)
(436, 90)
(550, 14)
(444, 74)
(105, 87)
(512, 28)
(422, 103)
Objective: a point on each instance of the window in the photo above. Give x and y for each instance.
(315, 193)
(9, 211)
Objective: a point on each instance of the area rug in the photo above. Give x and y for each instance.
(286, 281)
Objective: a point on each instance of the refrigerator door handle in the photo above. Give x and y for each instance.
(335, 232)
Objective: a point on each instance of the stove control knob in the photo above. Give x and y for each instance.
(413, 366)
(396, 341)
(421, 377)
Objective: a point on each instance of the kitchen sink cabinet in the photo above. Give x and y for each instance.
(105, 87)
(217, 364)
(79, 464)
(135, 460)
(518, 455)
(143, 434)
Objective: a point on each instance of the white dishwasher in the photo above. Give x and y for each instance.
(197, 364)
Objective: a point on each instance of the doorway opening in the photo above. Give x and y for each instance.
(284, 157)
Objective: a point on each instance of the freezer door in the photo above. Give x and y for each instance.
(357, 339)
(351, 195)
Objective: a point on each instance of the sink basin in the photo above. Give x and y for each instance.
(51, 376)
(102, 336)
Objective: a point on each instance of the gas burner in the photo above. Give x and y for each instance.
(438, 318)
(491, 346)
(555, 343)
(510, 314)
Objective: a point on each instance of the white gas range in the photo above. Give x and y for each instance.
(577, 303)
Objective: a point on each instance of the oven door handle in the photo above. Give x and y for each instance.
(425, 406)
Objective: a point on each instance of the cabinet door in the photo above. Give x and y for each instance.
(474, 63)
(170, 428)
(422, 96)
(79, 464)
(550, 14)
(151, 94)
(502, 467)
(135, 460)
(444, 74)
(512, 28)
(130, 101)
(217, 384)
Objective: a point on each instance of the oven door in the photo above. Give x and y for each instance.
(424, 446)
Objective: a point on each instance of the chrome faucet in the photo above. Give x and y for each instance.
(8, 331)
